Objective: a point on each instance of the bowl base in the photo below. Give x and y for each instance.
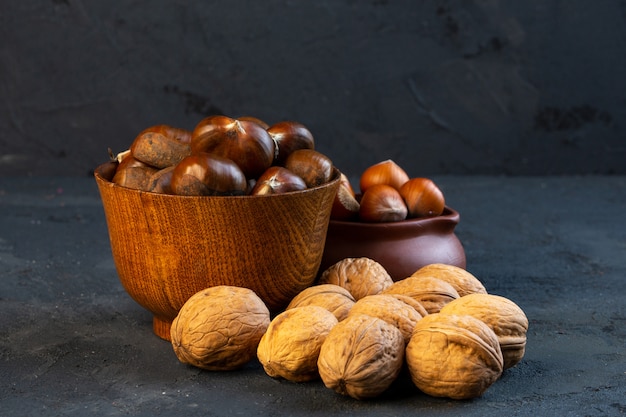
(161, 328)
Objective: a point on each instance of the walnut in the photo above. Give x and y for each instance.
(360, 276)
(432, 293)
(361, 356)
(291, 345)
(393, 310)
(463, 281)
(455, 356)
(505, 318)
(332, 297)
(219, 328)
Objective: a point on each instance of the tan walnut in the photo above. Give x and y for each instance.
(290, 347)
(219, 328)
(332, 297)
(360, 276)
(454, 356)
(361, 356)
(432, 293)
(505, 318)
(393, 310)
(463, 281)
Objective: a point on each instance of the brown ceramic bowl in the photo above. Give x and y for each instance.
(166, 248)
(400, 247)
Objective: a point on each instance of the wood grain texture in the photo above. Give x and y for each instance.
(166, 248)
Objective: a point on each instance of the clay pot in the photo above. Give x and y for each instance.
(166, 247)
(400, 247)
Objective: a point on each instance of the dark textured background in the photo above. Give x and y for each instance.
(441, 87)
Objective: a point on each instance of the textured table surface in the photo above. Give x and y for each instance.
(73, 343)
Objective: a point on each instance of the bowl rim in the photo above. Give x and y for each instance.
(449, 215)
(104, 173)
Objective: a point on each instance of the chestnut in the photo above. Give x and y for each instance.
(161, 146)
(385, 172)
(382, 203)
(260, 122)
(132, 173)
(245, 142)
(290, 136)
(312, 166)
(278, 180)
(345, 205)
(203, 173)
(422, 197)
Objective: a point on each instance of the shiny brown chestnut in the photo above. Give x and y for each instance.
(132, 173)
(278, 180)
(385, 172)
(205, 174)
(289, 137)
(312, 166)
(422, 197)
(382, 203)
(245, 142)
(345, 204)
(260, 122)
(161, 146)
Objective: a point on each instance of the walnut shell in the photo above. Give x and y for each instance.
(463, 281)
(361, 356)
(332, 297)
(291, 345)
(432, 293)
(412, 302)
(390, 309)
(360, 276)
(454, 356)
(505, 318)
(219, 328)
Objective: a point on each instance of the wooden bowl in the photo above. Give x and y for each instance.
(400, 247)
(166, 248)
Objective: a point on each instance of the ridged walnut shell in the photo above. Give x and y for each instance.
(291, 345)
(505, 318)
(360, 276)
(219, 328)
(454, 356)
(332, 297)
(390, 309)
(361, 356)
(463, 281)
(432, 293)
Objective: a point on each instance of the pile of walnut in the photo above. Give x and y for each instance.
(357, 328)
(223, 156)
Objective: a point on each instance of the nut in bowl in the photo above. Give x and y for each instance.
(168, 246)
(400, 222)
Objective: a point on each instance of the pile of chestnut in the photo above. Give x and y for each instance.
(387, 195)
(223, 156)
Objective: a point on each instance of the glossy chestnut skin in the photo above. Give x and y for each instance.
(385, 172)
(312, 166)
(207, 174)
(132, 173)
(422, 197)
(161, 146)
(345, 206)
(289, 137)
(382, 203)
(245, 142)
(278, 180)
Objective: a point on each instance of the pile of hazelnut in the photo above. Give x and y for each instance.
(388, 194)
(223, 156)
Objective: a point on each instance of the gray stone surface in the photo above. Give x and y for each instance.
(442, 87)
(72, 342)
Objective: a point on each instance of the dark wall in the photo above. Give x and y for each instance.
(441, 87)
